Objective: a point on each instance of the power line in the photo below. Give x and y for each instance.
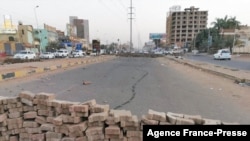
(108, 8)
(122, 4)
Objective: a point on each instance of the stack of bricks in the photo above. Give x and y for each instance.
(129, 124)
(169, 118)
(96, 121)
(40, 117)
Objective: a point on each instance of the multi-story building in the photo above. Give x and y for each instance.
(183, 26)
(78, 31)
(81, 27)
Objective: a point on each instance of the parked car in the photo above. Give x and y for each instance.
(78, 53)
(222, 54)
(158, 52)
(47, 55)
(25, 54)
(62, 53)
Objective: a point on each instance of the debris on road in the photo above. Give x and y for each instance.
(86, 82)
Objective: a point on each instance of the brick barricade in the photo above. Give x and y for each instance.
(40, 117)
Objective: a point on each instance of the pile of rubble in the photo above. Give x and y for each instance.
(151, 55)
(40, 117)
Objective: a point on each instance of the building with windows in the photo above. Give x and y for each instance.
(80, 27)
(183, 26)
(15, 38)
(78, 31)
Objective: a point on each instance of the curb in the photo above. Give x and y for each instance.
(23, 73)
(231, 77)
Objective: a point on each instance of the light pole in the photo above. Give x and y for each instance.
(36, 16)
(37, 28)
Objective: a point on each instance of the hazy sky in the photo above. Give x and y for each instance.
(108, 19)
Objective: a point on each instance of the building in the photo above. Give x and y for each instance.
(26, 38)
(8, 31)
(15, 38)
(242, 40)
(86, 30)
(80, 27)
(183, 26)
(78, 31)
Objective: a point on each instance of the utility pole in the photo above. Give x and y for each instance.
(131, 18)
(40, 42)
(233, 48)
(209, 41)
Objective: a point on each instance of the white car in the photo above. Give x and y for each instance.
(222, 54)
(25, 54)
(159, 53)
(62, 53)
(47, 55)
(78, 53)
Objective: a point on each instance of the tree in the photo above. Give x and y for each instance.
(226, 23)
(218, 40)
(219, 23)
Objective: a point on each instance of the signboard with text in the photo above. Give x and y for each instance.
(154, 36)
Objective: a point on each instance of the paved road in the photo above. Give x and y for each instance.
(135, 84)
(233, 63)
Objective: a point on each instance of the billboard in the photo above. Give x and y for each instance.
(154, 36)
(96, 46)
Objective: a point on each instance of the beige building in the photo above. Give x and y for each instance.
(242, 40)
(25, 34)
(183, 26)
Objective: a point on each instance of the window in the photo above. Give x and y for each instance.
(11, 38)
(22, 31)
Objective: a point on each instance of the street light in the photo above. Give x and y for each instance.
(37, 28)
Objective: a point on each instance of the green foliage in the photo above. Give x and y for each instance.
(226, 23)
(219, 41)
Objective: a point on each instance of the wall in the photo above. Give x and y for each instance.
(11, 47)
(40, 117)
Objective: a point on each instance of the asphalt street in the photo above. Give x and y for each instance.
(233, 63)
(135, 84)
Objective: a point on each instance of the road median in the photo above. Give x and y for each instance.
(11, 71)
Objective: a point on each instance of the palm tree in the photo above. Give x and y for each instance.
(233, 23)
(221, 23)
(226, 23)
